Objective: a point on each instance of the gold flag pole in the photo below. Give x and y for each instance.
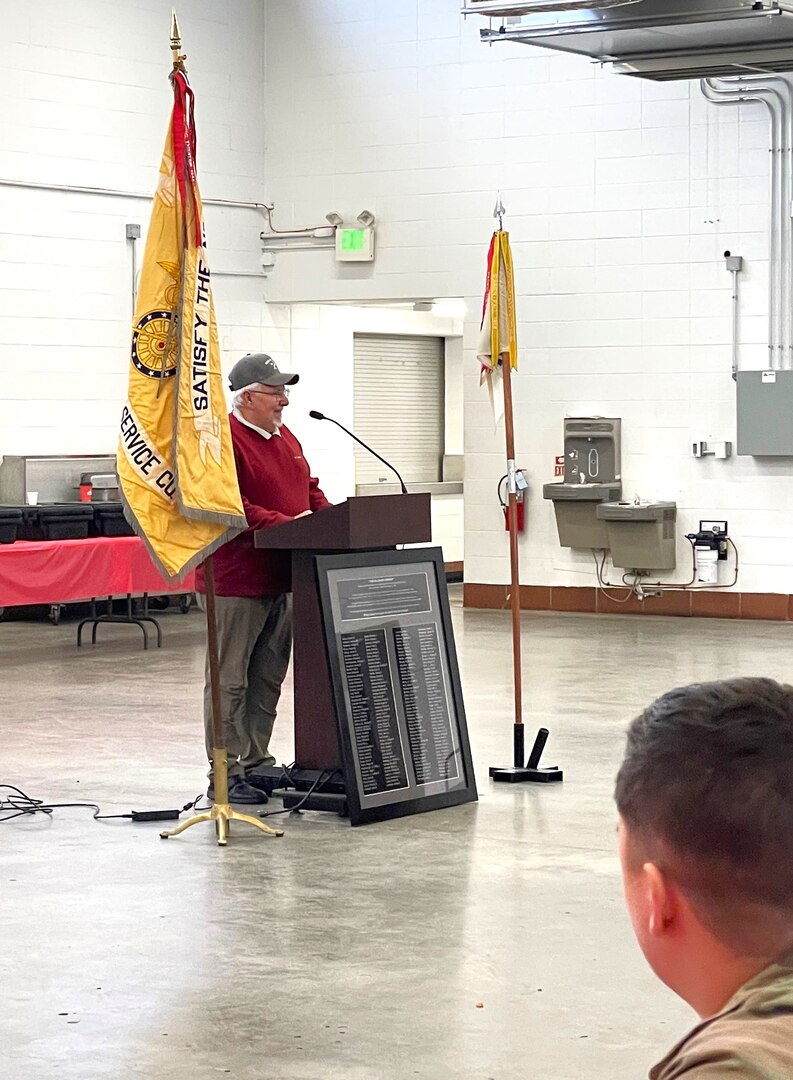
(176, 43)
(221, 813)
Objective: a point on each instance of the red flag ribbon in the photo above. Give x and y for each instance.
(184, 148)
(487, 281)
(487, 292)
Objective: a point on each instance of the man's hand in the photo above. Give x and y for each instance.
(304, 514)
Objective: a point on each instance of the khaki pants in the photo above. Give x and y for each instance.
(254, 644)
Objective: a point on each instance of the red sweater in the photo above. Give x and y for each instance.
(276, 485)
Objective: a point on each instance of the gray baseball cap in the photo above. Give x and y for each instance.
(259, 368)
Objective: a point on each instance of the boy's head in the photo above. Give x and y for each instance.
(705, 796)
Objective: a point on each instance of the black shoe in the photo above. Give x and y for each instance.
(240, 792)
(263, 784)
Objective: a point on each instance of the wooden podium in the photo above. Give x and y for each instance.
(364, 523)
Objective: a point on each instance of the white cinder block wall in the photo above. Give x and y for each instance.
(86, 102)
(621, 198)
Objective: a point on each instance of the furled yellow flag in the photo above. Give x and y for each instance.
(175, 459)
(498, 336)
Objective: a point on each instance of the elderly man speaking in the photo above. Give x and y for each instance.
(253, 607)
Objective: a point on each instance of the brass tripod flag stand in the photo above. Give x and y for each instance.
(175, 459)
(498, 354)
(221, 813)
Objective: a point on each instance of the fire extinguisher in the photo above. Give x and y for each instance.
(520, 504)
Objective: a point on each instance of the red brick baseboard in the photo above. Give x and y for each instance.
(697, 603)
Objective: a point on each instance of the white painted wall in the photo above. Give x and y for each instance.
(621, 198)
(86, 102)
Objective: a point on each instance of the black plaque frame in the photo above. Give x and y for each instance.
(360, 813)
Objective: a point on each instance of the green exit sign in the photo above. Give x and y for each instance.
(355, 245)
(352, 239)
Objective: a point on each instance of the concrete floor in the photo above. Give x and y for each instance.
(333, 952)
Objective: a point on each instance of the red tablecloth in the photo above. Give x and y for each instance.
(59, 571)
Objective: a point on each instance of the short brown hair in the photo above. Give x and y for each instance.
(706, 791)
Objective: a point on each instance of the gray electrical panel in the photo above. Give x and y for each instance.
(765, 413)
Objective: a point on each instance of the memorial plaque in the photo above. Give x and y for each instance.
(397, 692)
(390, 594)
(427, 713)
(375, 728)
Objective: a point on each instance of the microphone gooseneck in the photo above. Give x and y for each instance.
(315, 415)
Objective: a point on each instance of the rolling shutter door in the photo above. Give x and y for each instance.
(398, 406)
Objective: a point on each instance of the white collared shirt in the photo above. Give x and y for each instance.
(265, 434)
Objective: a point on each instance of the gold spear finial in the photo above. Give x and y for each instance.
(176, 43)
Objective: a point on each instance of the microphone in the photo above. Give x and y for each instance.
(321, 416)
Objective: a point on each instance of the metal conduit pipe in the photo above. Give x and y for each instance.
(79, 189)
(239, 273)
(734, 95)
(781, 90)
(787, 216)
(134, 259)
(772, 99)
(781, 85)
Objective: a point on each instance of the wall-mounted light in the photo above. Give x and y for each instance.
(334, 218)
(355, 243)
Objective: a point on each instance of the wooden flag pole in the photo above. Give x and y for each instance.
(220, 764)
(514, 566)
(521, 770)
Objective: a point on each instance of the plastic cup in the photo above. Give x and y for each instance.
(33, 498)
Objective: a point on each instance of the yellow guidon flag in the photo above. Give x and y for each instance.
(498, 332)
(175, 458)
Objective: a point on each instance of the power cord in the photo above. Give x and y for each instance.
(18, 804)
(318, 784)
(15, 803)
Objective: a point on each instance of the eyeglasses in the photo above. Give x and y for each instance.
(272, 393)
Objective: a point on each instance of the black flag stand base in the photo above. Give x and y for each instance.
(530, 773)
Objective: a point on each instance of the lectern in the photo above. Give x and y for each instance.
(374, 659)
(363, 523)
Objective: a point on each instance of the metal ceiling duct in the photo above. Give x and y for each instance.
(533, 7)
(653, 39)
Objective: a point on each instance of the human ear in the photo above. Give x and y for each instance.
(660, 900)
